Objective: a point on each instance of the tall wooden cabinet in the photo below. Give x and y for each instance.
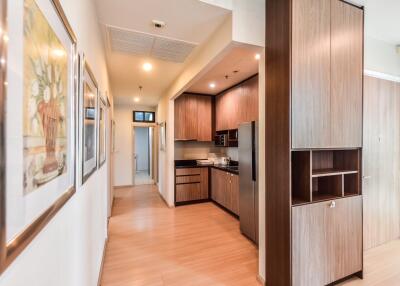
(327, 71)
(314, 95)
(193, 117)
(237, 105)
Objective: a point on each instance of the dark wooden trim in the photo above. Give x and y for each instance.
(177, 204)
(278, 146)
(236, 85)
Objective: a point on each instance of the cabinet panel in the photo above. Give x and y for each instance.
(190, 122)
(346, 74)
(326, 241)
(204, 183)
(204, 118)
(309, 251)
(220, 114)
(188, 192)
(235, 193)
(232, 107)
(179, 112)
(344, 238)
(311, 74)
(248, 103)
(218, 187)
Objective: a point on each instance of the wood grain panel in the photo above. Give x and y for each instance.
(344, 238)
(188, 179)
(204, 183)
(179, 117)
(381, 161)
(221, 122)
(188, 192)
(204, 118)
(309, 251)
(346, 74)
(219, 186)
(187, 171)
(277, 147)
(235, 194)
(231, 106)
(311, 74)
(190, 122)
(248, 102)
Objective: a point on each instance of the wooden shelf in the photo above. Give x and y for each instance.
(331, 172)
(318, 197)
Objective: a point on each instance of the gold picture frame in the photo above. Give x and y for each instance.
(11, 248)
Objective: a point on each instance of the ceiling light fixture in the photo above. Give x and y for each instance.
(147, 67)
(257, 57)
(212, 85)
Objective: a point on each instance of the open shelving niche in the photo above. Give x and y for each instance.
(320, 175)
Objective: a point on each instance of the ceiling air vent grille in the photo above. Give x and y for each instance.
(138, 43)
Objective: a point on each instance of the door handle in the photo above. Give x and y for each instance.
(332, 205)
(366, 177)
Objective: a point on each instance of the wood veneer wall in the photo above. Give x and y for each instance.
(381, 161)
(277, 147)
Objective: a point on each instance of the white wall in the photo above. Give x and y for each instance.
(68, 251)
(381, 57)
(123, 155)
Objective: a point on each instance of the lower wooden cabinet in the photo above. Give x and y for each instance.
(191, 184)
(326, 241)
(225, 189)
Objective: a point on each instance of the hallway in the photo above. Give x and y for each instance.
(151, 244)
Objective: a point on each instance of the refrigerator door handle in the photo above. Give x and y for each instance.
(253, 151)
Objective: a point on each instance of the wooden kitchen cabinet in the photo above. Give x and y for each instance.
(193, 117)
(327, 241)
(204, 118)
(237, 105)
(191, 184)
(225, 189)
(327, 70)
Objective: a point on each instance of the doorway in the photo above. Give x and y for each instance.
(143, 155)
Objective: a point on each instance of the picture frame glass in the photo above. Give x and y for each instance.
(40, 136)
(89, 120)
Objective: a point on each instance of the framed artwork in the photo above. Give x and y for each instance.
(102, 130)
(163, 134)
(38, 136)
(88, 124)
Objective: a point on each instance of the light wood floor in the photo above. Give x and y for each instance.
(151, 244)
(381, 266)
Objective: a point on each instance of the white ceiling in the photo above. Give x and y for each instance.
(186, 20)
(238, 64)
(382, 19)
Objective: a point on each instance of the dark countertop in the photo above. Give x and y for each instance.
(233, 167)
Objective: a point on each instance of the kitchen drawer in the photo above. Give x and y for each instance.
(188, 179)
(189, 192)
(188, 171)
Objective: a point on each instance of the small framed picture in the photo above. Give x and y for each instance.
(88, 120)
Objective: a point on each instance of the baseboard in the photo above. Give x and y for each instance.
(261, 280)
(102, 262)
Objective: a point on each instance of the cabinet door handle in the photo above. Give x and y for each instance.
(332, 204)
(366, 177)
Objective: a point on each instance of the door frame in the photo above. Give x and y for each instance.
(152, 149)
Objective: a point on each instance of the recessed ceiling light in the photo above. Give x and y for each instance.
(212, 85)
(136, 99)
(257, 57)
(147, 67)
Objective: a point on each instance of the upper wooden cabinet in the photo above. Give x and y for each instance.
(327, 70)
(193, 117)
(237, 105)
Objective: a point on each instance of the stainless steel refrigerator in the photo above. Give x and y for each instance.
(248, 180)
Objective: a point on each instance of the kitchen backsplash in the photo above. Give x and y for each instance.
(200, 150)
